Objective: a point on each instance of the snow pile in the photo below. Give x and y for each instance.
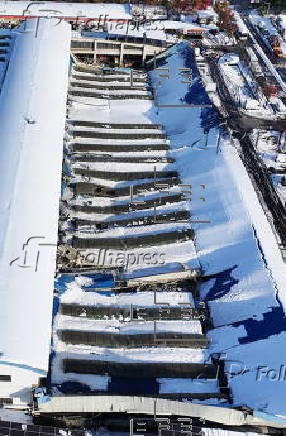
(187, 385)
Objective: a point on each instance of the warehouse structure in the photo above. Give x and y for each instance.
(31, 159)
(126, 339)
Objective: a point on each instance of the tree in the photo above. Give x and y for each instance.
(271, 90)
(226, 18)
(201, 4)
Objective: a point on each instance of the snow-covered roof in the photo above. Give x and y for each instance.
(88, 10)
(156, 30)
(158, 33)
(240, 23)
(32, 118)
(173, 24)
(144, 7)
(150, 11)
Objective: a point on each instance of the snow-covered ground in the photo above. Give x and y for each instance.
(187, 385)
(237, 244)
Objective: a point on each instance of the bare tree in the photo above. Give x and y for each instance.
(226, 18)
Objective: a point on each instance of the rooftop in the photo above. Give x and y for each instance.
(73, 10)
(32, 116)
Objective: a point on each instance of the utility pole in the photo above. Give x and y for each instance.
(279, 140)
(218, 142)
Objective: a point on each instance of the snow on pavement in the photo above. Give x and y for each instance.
(237, 245)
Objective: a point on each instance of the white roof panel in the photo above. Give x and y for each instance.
(32, 119)
(88, 10)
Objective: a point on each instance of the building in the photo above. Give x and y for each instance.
(32, 116)
(73, 12)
